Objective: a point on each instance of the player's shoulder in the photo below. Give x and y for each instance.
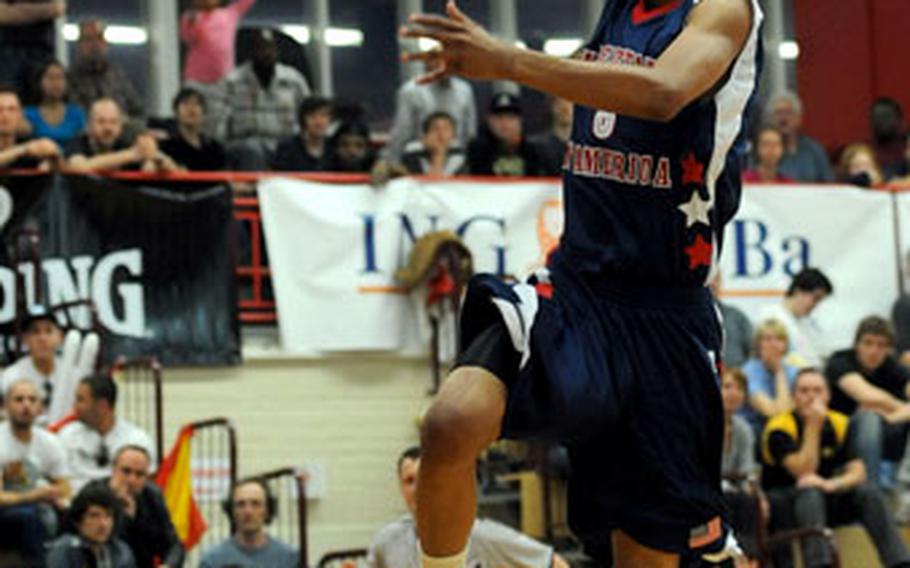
(730, 16)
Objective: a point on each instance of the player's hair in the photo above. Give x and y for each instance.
(7, 89)
(102, 387)
(186, 94)
(311, 105)
(773, 327)
(807, 371)
(438, 115)
(39, 390)
(874, 325)
(412, 453)
(94, 105)
(810, 280)
(134, 448)
(97, 494)
(737, 375)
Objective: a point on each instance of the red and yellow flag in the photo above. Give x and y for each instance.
(175, 479)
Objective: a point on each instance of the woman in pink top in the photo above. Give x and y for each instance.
(208, 30)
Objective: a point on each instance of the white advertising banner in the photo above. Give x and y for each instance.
(903, 221)
(334, 250)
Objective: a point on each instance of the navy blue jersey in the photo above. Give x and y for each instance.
(646, 202)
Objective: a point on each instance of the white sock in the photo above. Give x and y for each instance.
(454, 561)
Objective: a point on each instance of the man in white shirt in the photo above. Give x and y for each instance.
(55, 375)
(807, 290)
(93, 440)
(33, 474)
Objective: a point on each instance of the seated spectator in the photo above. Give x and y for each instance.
(552, 145)
(813, 477)
(437, 152)
(889, 141)
(251, 507)
(33, 475)
(900, 317)
(98, 434)
(208, 30)
(94, 544)
(769, 149)
(490, 543)
(189, 147)
(416, 102)
(738, 334)
(27, 36)
(350, 149)
(17, 153)
(104, 148)
(307, 152)
(143, 522)
(858, 166)
(53, 116)
(770, 377)
(501, 148)
(93, 76)
(869, 385)
(57, 376)
(261, 99)
(807, 290)
(804, 159)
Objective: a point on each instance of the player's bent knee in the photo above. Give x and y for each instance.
(449, 436)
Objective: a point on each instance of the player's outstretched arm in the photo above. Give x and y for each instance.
(690, 67)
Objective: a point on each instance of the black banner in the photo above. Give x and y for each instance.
(156, 262)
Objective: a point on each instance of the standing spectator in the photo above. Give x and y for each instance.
(351, 152)
(53, 116)
(738, 334)
(807, 290)
(814, 479)
(869, 385)
(92, 514)
(26, 37)
(416, 102)
(209, 31)
(501, 148)
(94, 77)
(804, 158)
(769, 150)
(188, 146)
(16, 153)
(858, 166)
(552, 145)
(307, 152)
(98, 434)
(889, 141)
(770, 377)
(32, 475)
(261, 98)
(437, 152)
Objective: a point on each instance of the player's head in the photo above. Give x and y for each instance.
(315, 116)
(886, 119)
(251, 506)
(809, 386)
(10, 111)
(93, 512)
(264, 51)
(96, 397)
(189, 108)
(439, 130)
(131, 468)
(22, 402)
(772, 342)
(769, 146)
(504, 119)
(92, 44)
(734, 390)
(105, 122)
(873, 342)
(408, 467)
(42, 336)
(807, 290)
(786, 113)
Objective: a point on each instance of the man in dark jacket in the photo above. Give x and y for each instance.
(501, 148)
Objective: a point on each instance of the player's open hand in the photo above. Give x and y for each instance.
(465, 47)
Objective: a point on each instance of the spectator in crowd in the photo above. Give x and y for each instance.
(94, 544)
(53, 116)
(17, 153)
(869, 385)
(308, 151)
(770, 377)
(261, 99)
(769, 150)
(813, 477)
(804, 158)
(437, 152)
(94, 77)
(807, 290)
(57, 376)
(889, 140)
(501, 148)
(188, 146)
(552, 144)
(27, 36)
(143, 522)
(490, 544)
(350, 149)
(98, 434)
(416, 102)
(251, 507)
(104, 148)
(738, 334)
(208, 29)
(858, 166)
(900, 317)
(33, 475)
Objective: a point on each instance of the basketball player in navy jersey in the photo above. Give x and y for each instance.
(613, 348)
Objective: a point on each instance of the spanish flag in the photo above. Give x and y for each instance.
(176, 482)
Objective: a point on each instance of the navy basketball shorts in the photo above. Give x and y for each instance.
(627, 379)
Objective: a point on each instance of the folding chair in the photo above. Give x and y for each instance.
(289, 525)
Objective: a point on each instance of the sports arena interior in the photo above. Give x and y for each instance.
(236, 239)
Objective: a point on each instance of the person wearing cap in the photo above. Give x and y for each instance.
(56, 376)
(501, 148)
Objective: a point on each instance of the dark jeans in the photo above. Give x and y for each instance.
(807, 508)
(22, 530)
(877, 440)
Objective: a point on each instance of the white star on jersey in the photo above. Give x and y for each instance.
(696, 210)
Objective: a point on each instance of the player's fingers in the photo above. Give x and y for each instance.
(435, 21)
(421, 32)
(434, 76)
(456, 14)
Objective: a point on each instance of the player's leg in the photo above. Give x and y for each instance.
(465, 419)
(629, 554)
